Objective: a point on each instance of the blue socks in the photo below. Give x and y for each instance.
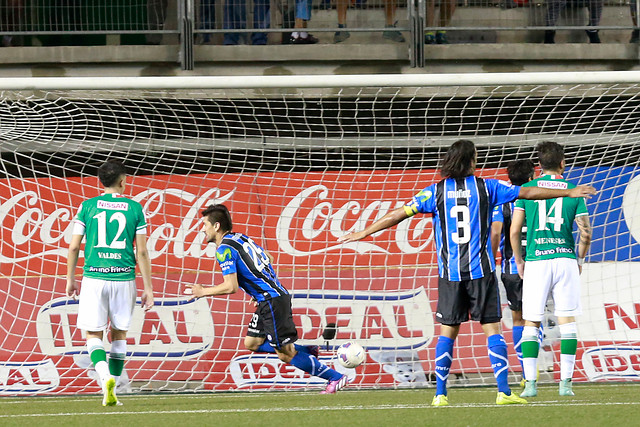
(265, 347)
(499, 362)
(312, 366)
(517, 344)
(305, 362)
(444, 357)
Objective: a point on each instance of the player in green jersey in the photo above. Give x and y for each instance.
(112, 225)
(552, 265)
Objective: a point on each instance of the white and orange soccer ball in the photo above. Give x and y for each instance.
(351, 354)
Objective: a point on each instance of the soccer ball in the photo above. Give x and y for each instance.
(351, 354)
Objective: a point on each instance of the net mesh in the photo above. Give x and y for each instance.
(298, 168)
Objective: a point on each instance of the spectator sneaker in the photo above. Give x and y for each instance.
(393, 34)
(593, 36)
(549, 37)
(441, 38)
(341, 36)
(304, 40)
(430, 38)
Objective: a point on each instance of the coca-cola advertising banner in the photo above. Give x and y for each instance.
(380, 292)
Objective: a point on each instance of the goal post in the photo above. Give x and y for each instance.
(300, 160)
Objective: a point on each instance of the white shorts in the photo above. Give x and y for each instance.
(103, 300)
(559, 277)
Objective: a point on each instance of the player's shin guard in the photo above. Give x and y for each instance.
(98, 355)
(517, 344)
(498, 356)
(311, 365)
(116, 358)
(530, 349)
(444, 357)
(568, 349)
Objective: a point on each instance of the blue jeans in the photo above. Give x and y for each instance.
(235, 17)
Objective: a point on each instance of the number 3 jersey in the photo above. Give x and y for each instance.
(550, 222)
(239, 254)
(462, 209)
(110, 223)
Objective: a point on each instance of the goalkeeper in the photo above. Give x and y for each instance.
(461, 205)
(246, 265)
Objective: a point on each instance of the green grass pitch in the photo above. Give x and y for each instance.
(594, 405)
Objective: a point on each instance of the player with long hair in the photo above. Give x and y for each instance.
(461, 205)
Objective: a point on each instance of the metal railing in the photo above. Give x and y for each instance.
(191, 22)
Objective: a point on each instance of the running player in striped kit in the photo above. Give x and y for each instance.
(461, 205)
(246, 265)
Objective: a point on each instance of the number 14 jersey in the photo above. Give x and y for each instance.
(110, 223)
(550, 222)
(462, 209)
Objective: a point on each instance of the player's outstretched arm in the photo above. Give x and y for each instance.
(538, 193)
(389, 220)
(144, 261)
(515, 236)
(72, 264)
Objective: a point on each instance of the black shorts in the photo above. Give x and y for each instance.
(513, 285)
(273, 319)
(478, 298)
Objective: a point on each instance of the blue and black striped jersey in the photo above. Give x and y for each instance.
(239, 254)
(462, 211)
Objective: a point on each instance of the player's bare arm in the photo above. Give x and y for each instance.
(144, 261)
(584, 241)
(515, 235)
(389, 220)
(228, 286)
(72, 264)
(537, 193)
(496, 233)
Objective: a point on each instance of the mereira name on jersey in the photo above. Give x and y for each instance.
(553, 184)
(550, 240)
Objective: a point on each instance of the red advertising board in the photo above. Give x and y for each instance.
(380, 292)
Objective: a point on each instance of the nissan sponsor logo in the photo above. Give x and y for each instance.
(612, 363)
(175, 328)
(28, 377)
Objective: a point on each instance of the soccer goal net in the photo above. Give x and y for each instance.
(300, 161)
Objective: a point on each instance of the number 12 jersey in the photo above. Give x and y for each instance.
(110, 223)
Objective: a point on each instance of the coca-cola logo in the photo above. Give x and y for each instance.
(25, 216)
(314, 214)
